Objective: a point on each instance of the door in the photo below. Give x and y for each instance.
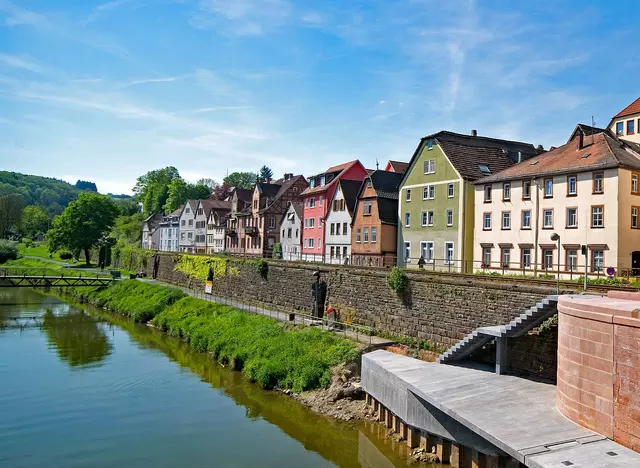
(635, 263)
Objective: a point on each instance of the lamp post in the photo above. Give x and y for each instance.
(556, 237)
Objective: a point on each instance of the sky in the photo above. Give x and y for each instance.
(108, 91)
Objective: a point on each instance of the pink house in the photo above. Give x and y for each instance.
(316, 205)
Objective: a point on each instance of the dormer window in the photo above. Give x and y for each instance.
(620, 128)
(429, 145)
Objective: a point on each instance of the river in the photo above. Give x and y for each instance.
(82, 388)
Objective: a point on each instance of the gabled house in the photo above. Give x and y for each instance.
(626, 123)
(436, 196)
(291, 232)
(396, 166)
(218, 213)
(337, 227)
(375, 221)
(170, 231)
(240, 204)
(586, 192)
(200, 230)
(151, 232)
(321, 188)
(187, 226)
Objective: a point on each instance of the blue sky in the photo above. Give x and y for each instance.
(107, 91)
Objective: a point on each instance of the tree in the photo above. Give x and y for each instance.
(83, 223)
(34, 219)
(181, 191)
(152, 189)
(266, 173)
(10, 210)
(212, 184)
(127, 206)
(86, 185)
(244, 180)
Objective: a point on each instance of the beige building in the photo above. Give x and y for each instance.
(585, 191)
(626, 124)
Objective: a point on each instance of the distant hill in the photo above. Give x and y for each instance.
(51, 193)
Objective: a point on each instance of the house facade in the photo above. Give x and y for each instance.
(375, 221)
(240, 207)
(626, 124)
(170, 231)
(322, 187)
(586, 192)
(337, 227)
(187, 227)
(151, 232)
(436, 196)
(291, 232)
(216, 212)
(200, 227)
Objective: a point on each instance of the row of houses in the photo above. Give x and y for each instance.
(463, 202)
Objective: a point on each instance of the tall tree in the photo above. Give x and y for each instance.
(34, 219)
(83, 223)
(241, 179)
(11, 207)
(211, 183)
(152, 189)
(181, 191)
(266, 173)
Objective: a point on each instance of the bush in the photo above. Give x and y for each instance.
(8, 250)
(66, 255)
(277, 250)
(27, 242)
(398, 281)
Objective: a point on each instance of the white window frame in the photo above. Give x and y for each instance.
(575, 217)
(601, 215)
(525, 253)
(407, 195)
(522, 218)
(449, 260)
(407, 219)
(428, 248)
(506, 216)
(450, 190)
(430, 166)
(544, 218)
(374, 235)
(486, 217)
(449, 218)
(575, 185)
(407, 251)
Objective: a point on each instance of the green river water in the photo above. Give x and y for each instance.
(81, 388)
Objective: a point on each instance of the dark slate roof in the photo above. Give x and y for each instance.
(386, 183)
(283, 187)
(350, 189)
(217, 205)
(587, 130)
(269, 190)
(466, 151)
(388, 210)
(298, 208)
(246, 195)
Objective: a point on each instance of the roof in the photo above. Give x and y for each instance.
(386, 183)
(599, 151)
(217, 205)
(342, 168)
(192, 204)
(587, 130)
(633, 108)
(297, 208)
(283, 186)
(246, 195)
(388, 211)
(268, 189)
(466, 152)
(178, 212)
(339, 167)
(398, 166)
(350, 189)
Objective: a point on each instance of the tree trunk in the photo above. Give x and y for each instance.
(86, 256)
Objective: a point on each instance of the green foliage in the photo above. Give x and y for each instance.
(65, 255)
(10, 210)
(130, 257)
(34, 219)
(277, 250)
(8, 250)
(397, 281)
(244, 180)
(261, 266)
(266, 173)
(264, 349)
(199, 267)
(127, 206)
(86, 185)
(152, 189)
(127, 229)
(52, 194)
(83, 223)
(181, 191)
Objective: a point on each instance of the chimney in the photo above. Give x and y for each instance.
(579, 141)
(268, 180)
(288, 176)
(474, 133)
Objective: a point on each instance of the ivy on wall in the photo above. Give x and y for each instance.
(199, 267)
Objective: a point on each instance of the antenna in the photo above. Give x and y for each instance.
(593, 121)
(377, 165)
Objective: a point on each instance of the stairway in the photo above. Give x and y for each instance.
(475, 340)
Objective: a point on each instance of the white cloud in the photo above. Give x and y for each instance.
(242, 17)
(21, 61)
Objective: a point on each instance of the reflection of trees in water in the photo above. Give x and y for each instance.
(77, 338)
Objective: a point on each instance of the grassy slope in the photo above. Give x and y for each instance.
(41, 251)
(268, 352)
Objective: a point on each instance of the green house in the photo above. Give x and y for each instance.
(436, 209)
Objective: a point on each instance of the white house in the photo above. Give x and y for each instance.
(217, 213)
(290, 232)
(187, 227)
(169, 231)
(337, 225)
(151, 232)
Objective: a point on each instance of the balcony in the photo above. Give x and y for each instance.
(251, 231)
(232, 233)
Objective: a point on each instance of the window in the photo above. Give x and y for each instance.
(190, 235)
(572, 217)
(547, 259)
(311, 242)
(506, 191)
(321, 200)
(429, 145)
(283, 233)
(407, 251)
(312, 222)
(319, 242)
(526, 190)
(200, 211)
(312, 202)
(597, 216)
(484, 168)
(427, 218)
(374, 235)
(430, 167)
(525, 259)
(332, 229)
(505, 257)
(297, 233)
(428, 192)
(449, 217)
(344, 229)
(572, 260)
(306, 203)
(366, 207)
(547, 219)
(548, 188)
(426, 251)
(448, 253)
(450, 190)
(408, 195)
(344, 251)
(188, 210)
(255, 204)
(598, 182)
(597, 260)
(358, 240)
(272, 222)
(506, 220)
(407, 219)
(620, 128)
(634, 217)
(572, 186)
(634, 183)
(486, 256)
(526, 219)
(332, 251)
(486, 224)
(337, 229)
(182, 235)
(289, 230)
(487, 193)
(630, 127)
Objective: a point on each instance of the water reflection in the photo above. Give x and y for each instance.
(78, 339)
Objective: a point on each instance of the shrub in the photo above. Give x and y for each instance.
(277, 250)
(398, 281)
(262, 267)
(8, 250)
(65, 255)
(27, 242)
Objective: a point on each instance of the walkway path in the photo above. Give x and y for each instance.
(49, 260)
(298, 319)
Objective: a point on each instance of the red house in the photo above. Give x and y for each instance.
(316, 205)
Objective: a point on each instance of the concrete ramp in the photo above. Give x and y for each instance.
(493, 413)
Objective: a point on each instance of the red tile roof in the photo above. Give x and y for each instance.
(398, 166)
(633, 108)
(340, 167)
(322, 188)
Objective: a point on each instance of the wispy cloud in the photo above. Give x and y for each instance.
(23, 62)
(167, 79)
(103, 8)
(242, 17)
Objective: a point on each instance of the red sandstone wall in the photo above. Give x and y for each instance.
(627, 386)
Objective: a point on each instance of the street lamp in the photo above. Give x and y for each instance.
(556, 237)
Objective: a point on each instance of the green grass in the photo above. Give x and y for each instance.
(270, 353)
(39, 250)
